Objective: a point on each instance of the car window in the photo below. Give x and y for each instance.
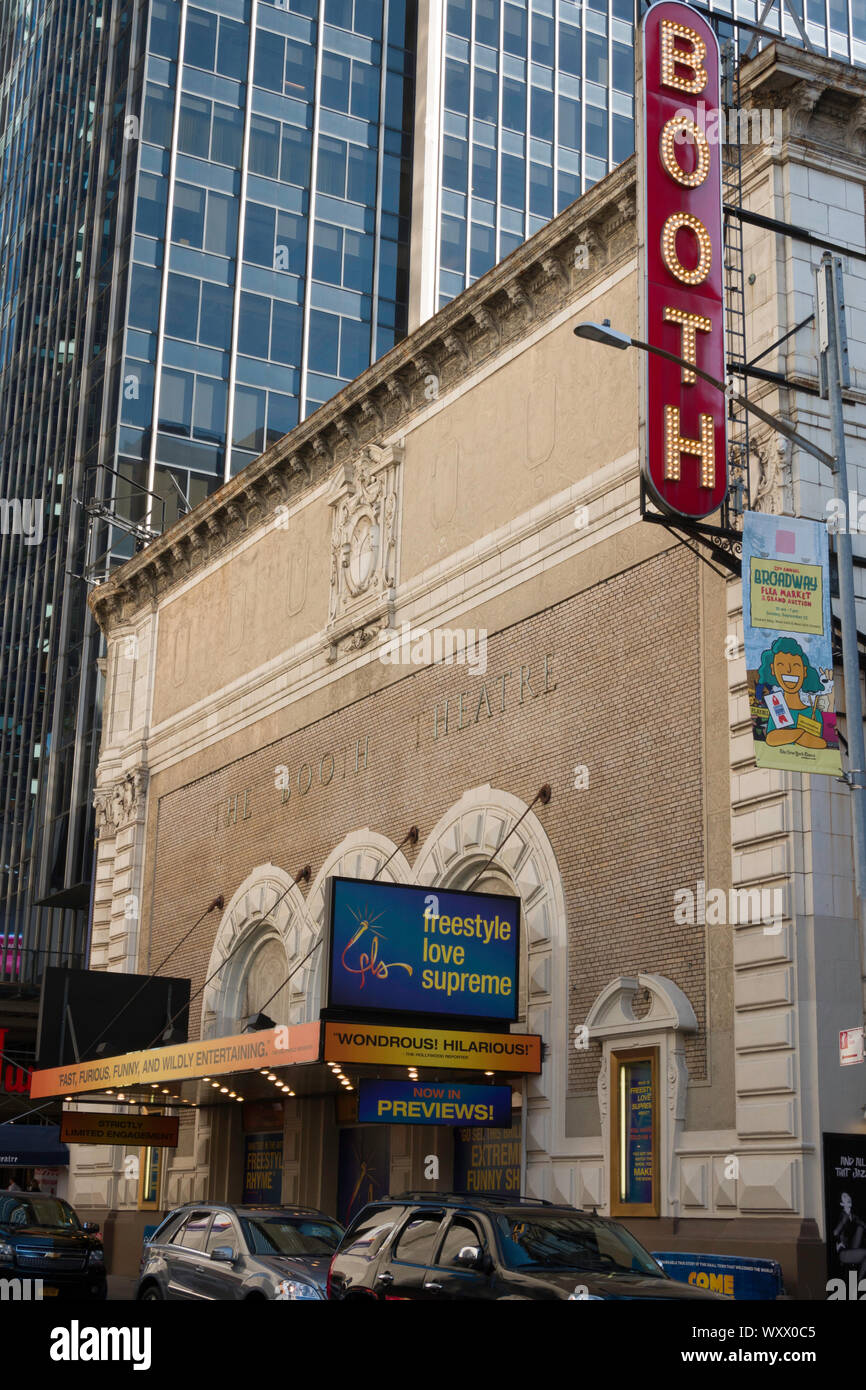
(417, 1240)
(222, 1232)
(192, 1236)
(460, 1233)
(283, 1234)
(368, 1233)
(165, 1232)
(38, 1210)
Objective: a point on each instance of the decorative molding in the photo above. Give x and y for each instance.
(363, 498)
(120, 803)
(772, 489)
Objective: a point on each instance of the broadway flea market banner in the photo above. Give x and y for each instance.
(272, 1047)
(788, 637)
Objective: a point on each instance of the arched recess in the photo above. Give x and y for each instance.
(462, 840)
(362, 854)
(259, 917)
(613, 1022)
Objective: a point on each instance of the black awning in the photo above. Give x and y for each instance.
(76, 898)
(32, 1146)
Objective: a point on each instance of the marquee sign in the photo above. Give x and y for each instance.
(685, 452)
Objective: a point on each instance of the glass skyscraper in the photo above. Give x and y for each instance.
(212, 217)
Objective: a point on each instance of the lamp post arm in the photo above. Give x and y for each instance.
(778, 425)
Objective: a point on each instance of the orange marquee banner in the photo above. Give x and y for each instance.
(272, 1047)
(404, 1045)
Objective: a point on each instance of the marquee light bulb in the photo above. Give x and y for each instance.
(674, 223)
(672, 57)
(667, 151)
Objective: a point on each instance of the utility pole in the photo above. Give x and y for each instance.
(834, 377)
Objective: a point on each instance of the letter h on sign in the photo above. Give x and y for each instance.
(684, 447)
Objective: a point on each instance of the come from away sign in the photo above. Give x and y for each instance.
(433, 1103)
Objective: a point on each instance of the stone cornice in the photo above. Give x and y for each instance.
(559, 264)
(822, 99)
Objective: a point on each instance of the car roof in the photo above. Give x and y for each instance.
(493, 1201)
(284, 1207)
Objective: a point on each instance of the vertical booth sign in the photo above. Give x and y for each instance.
(684, 454)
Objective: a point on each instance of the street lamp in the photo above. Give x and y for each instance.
(833, 362)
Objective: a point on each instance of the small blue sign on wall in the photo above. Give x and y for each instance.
(402, 949)
(433, 1103)
(738, 1276)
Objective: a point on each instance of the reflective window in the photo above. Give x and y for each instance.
(192, 1234)
(222, 1232)
(417, 1240)
(460, 1233)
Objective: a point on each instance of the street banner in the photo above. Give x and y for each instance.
(787, 627)
(282, 1046)
(433, 1103)
(96, 1127)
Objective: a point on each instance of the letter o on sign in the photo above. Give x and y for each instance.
(675, 223)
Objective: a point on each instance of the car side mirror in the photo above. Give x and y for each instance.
(91, 1228)
(224, 1254)
(470, 1257)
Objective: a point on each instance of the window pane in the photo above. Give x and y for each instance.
(623, 68)
(454, 163)
(457, 86)
(514, 26)
(569, 123)
(221, 230)
(144, 297)
(482, 254)
(486, 95)
(542, 114)
(137, 403)
(150, 206)
(265, 146)
(232, 49)
(453, 250)
(194, 129)
(358, 261)
(282, 415)
(487, 22)
(513, 177)
(484, 173)
(460, 1234)
(596, 59)
(158, 115)
(514, 104)
(291, 253)
(269, 65)
(323, 345)
(339, 12)
(362, 176)
(300, 69)
(328, 253)
(295, 156)
(365, 91)
(175, 402)
(541, 190)
(210, 410)
(164, 29)
(418, 1239)
(542, 40)
(249, 419)
(331, 176)
(228, 135)
(286, 333)
(215, 325)
(596, 132)
(335, 81)
(181, 306)
(459, 16)
(187, 226)
(569, 49)
(200, 45)
(254, 325)
(259, 234)
(354, 348)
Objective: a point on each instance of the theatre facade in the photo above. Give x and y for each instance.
(426, 641)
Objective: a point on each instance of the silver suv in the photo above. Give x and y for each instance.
(208, 1250)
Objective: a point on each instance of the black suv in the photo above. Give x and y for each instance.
(41, 1238)
(435, 1245)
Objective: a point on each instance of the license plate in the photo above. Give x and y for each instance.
(49, 1292)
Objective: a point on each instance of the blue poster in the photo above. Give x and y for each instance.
(364, 1168)
(433, 1103)
(736, 1276)
(423, 950)
(639, 1132)
(487, 1160)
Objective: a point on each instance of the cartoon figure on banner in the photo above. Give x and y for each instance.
(784, 676)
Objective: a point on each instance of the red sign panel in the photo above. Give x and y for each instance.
(685, 453)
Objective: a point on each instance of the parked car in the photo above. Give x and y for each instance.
(42, 1237)
(435, 1246)
(208, 1250)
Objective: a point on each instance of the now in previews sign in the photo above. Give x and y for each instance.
(685, 452)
